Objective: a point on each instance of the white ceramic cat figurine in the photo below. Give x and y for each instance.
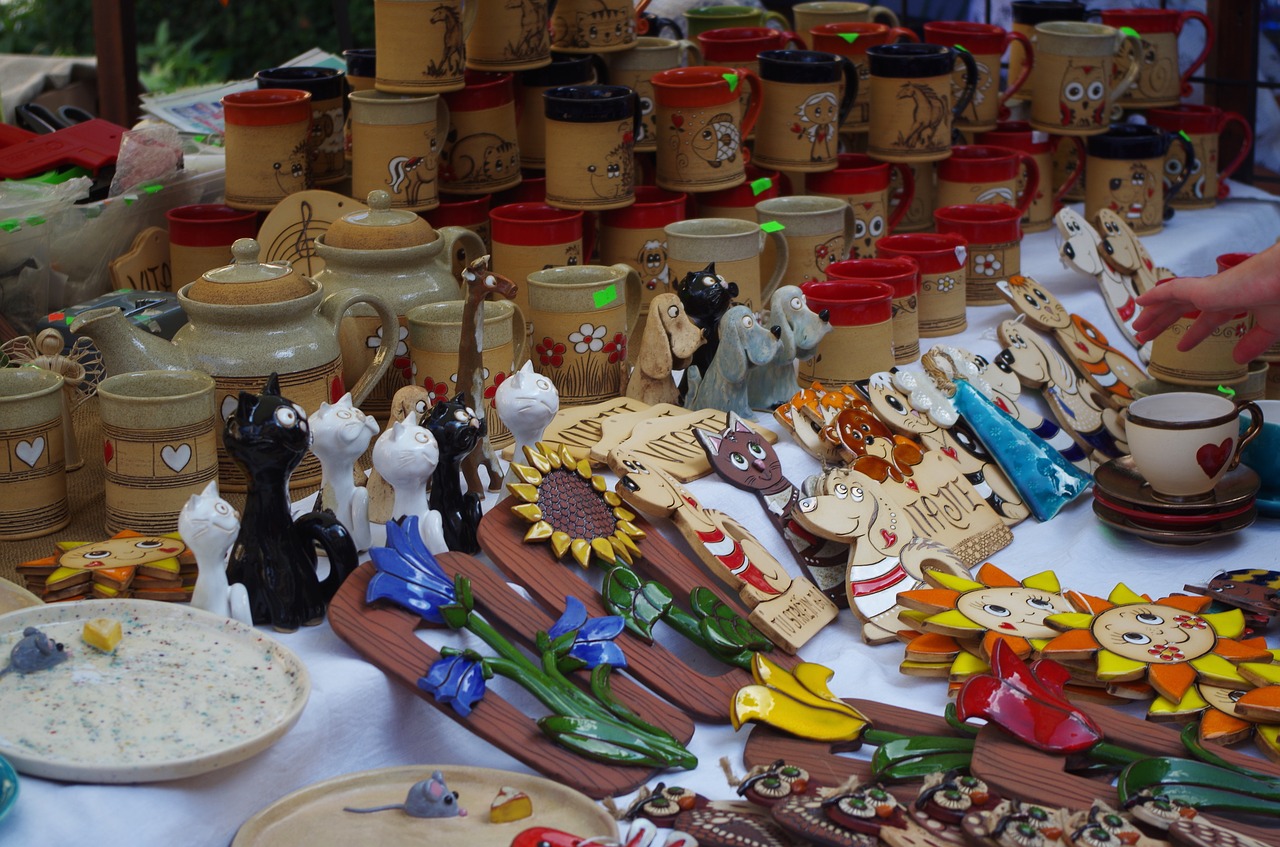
(209, 526)
(526, 402)
(340, 433)
(406, 455)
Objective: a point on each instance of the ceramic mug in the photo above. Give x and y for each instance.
(593, 26)
(435, 333)
(736, 246)
(698, 21)
(739, 47)
(1184, 442)
(635, 69)
(635, 236)
(1045, 203)
(920, 202)
(531, 126)
(902, 274)
(911, 105)
(328, 90)
(1156, 55)
(1263, 453)
(160, 446)
(591, 131)
(395, 147)
(861, 339)
(942, 260)
(1026, 15)
(1073, 78)
(469, 213)
(362, 73)
(806, 96)
(979, 173)
(200, 238)
(1211, 362)
(817, 231)
(481, 152)
(1125, 174)
(740, 201)
(509, 36)
(811, 14)
(987, 43)
(582, 318)
(852, 40)
(266, 143)
(530, 237)
(410, 62)
(1069, 167)
(1204, 126)
(700, 126)
(33, 469)
(863, 183)
(993, 234)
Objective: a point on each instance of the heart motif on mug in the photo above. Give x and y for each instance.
(108, 451)
(30, 451)
(336, 389)
(176, 458)
(890, 538)
(229, 404)
(677, 120)
(1211, 458)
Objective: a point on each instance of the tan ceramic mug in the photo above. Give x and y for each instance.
(806, 97)
(1184, 442)
(863, 183)
(861, 339)
(817, 230)
(33, 470)
(1211, 362)
(509, 36)
(481, 152)
(1026, 15)
(635, 69)
(435, 332)
(735, 246)
(160, 446)
(1204, 126)
(809, 15)
(942, 260)
(266, 143)
(852, 40)
(327, 87)
(920, 201)
(593, 26)
(701, 125)
(531, 125)
(395, 147)
(1073, 79)
(422, 44)
(1126, 165)
(1159, 82)
(530, 237)
(582, 319)
(987, 43)
(911, 104)
(591, 132)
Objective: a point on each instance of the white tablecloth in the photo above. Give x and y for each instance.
(358, 719)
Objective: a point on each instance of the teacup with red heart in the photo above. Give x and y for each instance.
(1184, 442)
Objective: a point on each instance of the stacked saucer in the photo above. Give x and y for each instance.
(1124, 501)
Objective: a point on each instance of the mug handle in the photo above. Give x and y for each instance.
(1235, 118)
(778, 17)
(780, 267)
(519, 337)
(786, 38)
(883, 15)
(850, 71)
(1255, 427)
(1075, 174)
(1131, 73)
(632, 295)
(444, 122)
(1029, 53)
(908, 194)
(469, 13)
(332, 309)
(1199, 61)
(654, 25)
(459, 236)
(690, 53)
(1033, 181)
(970, 81)
(1188, 164)
(753, 104)
(849, 224)
(899, 33)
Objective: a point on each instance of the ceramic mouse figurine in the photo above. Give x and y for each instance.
(526, 402)
(340, 433)
(406, 455)
(457, 431)
(209, 526)
(430, 798)
(35, 651)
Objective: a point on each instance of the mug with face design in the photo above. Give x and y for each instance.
(806, 96)
(1018, 135)
(861, 339)
(635, 236)
(33, 471)
(1204, 125)
(700, 20)
(481, 152)
(328, 89)
(591, 132)
(736, 246)
(408, 62)
(902, 274)
(739, 47)
(1026, 15)
(942, 259)
(395, 146)
(593, 26)
(817, 231)
(531, 128)
(700, 126)
(1159, 83)
(266, 141)
(911, 104)
(509, 36)
(635, 69)
(852, 41)
(993, 234)
(1073, 78)
(1125, 174)
(1209, 363)
(1184, 442)
(818, 12)
(978, 173)
(529, 237)
(863, 183)
(987, 43)
(740, 202)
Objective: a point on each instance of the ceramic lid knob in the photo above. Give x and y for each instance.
(379, 227)
(246, 281)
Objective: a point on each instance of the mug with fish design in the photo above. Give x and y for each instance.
(700, 126)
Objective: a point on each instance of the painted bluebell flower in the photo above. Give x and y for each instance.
(456, 680)
(593, 641)
(408, 575)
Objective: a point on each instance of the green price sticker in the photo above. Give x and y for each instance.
(605, 297)
(1182, 133)
(772, 226)
(1130, 32)
(1229, 392)
(761, 185)
(732, 79)
(849, 36)
(961, 48)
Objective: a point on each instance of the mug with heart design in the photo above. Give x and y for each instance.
(806, 96)
(981, 173)
(1045, 203)
(1184, 442)
(33, 467)
(1204, 126)
(852, 40)
(1159, 83)
(1073, 77)
(912, 109)
(1125, 172)
(863, 183)
(700, 126)
(160, 446)
(635, 69)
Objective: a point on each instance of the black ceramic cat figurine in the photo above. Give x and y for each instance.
(274, 556)
(705, 296)
(457, 431)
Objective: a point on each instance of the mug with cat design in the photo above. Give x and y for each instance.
(1073, 77)
(912, 109)
(635, 69)
(594, 26)
(1125, 172)
(864, 183)
(481, 152)
(806, 96)
(987, 43)
(509, 36)
(266, 141)
(817, 231)
(395, 147)
(1204, 126)
(422, 44)
(635, 236)
(700, 126)
(1156, 54)
(591, 131)
(33, 470)
(852, 40)
(328, 136)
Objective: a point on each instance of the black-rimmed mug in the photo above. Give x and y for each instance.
(807, 95)
(912, 111)
(591, 132)
(1124, 172)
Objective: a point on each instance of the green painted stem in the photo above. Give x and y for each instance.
(878, 737)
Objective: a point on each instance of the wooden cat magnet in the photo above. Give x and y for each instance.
(671, 443)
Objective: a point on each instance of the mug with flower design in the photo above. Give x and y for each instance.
(942, 259)
(994, 236)
(582, 317)
(435, 331)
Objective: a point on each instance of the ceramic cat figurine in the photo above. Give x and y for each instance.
(209, 526)
(526, 402)
(340, 433)
(406, 455)
(409, 403)
(457, 431)
(274, 556)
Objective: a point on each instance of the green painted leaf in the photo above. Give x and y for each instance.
(640, 604)
(1243, 792)
(908, 758)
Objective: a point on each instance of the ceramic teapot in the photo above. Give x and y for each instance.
(398, 256)
(239, 334)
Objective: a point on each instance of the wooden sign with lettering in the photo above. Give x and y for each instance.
(145, 266)
(580, 427)
(617, 429)
(669, 444)
(946, 508)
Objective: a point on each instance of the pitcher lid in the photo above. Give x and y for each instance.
(246, 281)
(379, 227)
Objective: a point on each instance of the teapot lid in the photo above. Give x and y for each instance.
(247, 281)
(379, 227)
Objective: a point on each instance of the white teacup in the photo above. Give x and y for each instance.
(1184, 442)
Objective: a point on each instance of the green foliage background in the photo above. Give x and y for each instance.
(190, 41)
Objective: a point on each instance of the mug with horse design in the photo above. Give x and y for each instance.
(817, 231)
(1156, 55)
(33, 466)
(1073, 78)
(863, 183)
(987, 43)
(591, 131)
(806, 96)
(735, 246)
(1045, 203)
(266, 145)
(395, 147)
(509, 36)
(911, 105)
(481, 152)
(700, 126)
(1204, 125)
(979, 173)
(1125, 174)
(422, 44)
(852, 41)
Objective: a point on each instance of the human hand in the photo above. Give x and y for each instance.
(1218, 300)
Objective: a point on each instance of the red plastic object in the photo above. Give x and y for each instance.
(93, 145)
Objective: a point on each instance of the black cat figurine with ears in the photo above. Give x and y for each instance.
(705, 296)
(457, 431)
(274, 556)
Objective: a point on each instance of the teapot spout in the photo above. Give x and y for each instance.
(126, 348)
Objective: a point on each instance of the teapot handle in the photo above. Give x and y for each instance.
(335, 305)
(460, 238)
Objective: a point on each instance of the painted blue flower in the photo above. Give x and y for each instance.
(455, 680)
(408, 575)
(593, 640)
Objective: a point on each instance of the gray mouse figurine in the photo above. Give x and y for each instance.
(34, 652)
(430, 798)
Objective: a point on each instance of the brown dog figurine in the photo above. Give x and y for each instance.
(668, 344)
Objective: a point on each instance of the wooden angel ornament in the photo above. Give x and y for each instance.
(801, 329)
(743, 345)
(669, 342)
(479, 283)
(81, 370)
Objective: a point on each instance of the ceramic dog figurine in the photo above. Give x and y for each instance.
(802, 329)
(1082, 249)
(744, 345)
(669, 342)
(706, 296)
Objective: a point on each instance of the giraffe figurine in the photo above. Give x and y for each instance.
(480, 284)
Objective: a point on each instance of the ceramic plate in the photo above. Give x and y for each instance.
(1120, 523)
(1119, 479)
(8, 787)
(1182, 520)
(14, 596)
(185, 692)
(314, 815)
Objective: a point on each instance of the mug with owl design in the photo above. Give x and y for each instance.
(1156, 54)
(1125, 174)
(395, 147)
(267, 146)
(328, 137)
(531, 127)
(33, 471)
(422, 44)
(902, 274)
(1045, 203)
(530, 237)
(481, 151)
(1074, 76)
(864, 184)
(591, 132)
(594, 26)
(981, 173)
(1204, 126)
(817, 231)
(1027, 14)
(700, 126)
(852, 40)
(806, 96)
(635, 69)
(986, 43)
(912, 108)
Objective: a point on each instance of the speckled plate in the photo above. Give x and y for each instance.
(8, 787)
(14, 596)
(185, 692)
(314, 815)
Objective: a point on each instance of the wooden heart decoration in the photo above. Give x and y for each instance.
(1212, 458)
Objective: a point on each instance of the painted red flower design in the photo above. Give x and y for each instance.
(437, 392)
(617, 348)
(492, 390)
(1190, 621)
(551, 352)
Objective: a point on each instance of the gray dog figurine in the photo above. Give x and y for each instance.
(744, 344)
(773, 384)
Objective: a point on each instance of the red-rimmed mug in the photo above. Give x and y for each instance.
(530, 237)
(902, 274)
(200, 239)
(634, 236)
(1226, 261)
(1204, 126)
(994, 239)
(1211, 362)
(864, 184)
(739, 45)
(987, 43)
(701, 124)
(1159, 83)
(267, 131)
(467, 212)
(740, 202)
(981, 173)
(861, 339)
(481, 153)
(1020, 135)
(851, 40)
(942, 259)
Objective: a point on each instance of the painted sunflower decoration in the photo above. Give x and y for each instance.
(1230, 715)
